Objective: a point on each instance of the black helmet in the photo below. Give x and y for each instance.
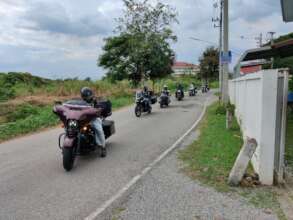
(145, 88)
(86, 94)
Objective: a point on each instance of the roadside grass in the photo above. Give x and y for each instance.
(119, 102)
(41, 117)
(289, 140)
(27, 118)
(210, 159)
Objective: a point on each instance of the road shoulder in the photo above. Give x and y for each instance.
(167, 193)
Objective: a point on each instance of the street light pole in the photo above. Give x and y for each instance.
(225, 96)
(220, 49)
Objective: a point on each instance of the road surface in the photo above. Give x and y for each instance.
(33, 184)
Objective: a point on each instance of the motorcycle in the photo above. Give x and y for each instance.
(192, 92)
(164, 100)
(179, 94)
(205, 88)
(142, 104)
(79, 136)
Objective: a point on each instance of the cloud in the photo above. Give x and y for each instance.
(253, 10)
(57, 20)
(62, 38)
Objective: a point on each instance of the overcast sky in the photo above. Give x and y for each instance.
(59, 39)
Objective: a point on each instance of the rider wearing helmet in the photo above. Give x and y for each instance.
(146, 95)
(88, 96)
(165, 90)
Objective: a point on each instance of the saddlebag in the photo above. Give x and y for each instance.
(109, 128)
(154, 100)
(106, 108)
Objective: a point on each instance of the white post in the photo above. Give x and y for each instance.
(268, 126)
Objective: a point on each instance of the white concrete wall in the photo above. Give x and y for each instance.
(255, 98)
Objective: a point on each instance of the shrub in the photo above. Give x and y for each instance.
(220, 109)
(291, 85)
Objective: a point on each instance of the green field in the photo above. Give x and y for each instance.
(26, 101)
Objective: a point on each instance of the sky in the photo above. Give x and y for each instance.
(61, 39)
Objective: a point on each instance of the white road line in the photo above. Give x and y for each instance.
(134, 180)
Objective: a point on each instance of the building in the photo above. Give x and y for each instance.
(252, 67)
(183, 68)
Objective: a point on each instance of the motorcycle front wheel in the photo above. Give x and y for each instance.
(137, 111)
(68, 158)
(150, 110)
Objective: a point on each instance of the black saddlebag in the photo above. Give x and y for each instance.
(106, 107)
(109, 128)
(154, 100)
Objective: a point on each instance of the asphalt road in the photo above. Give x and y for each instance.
(33, 184)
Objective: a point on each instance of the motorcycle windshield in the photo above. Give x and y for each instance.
(69, 111)
(138, 95)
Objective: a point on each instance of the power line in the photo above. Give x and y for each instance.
(212, 43)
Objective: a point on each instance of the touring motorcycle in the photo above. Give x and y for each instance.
(79, 136)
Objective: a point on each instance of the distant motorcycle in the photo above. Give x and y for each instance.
(179, 94)
(142, 104)
(164, 100)
(192, 91)
(79, 137)
(205, 88)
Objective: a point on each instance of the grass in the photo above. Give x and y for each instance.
(29, 118)
(119, 102)
(41, 118)
(211, 157)
(289, 140)
(26, 101)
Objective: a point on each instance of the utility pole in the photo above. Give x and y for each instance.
(225, 95)
(220, 50)
(259, 40)
(271, 39)
(220, 26)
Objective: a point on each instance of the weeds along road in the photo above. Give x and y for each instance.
(33, 184)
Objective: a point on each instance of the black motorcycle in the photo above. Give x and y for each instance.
(164, 100)
(179, 94)
(205, 89)
(192, 91)
(142, 104)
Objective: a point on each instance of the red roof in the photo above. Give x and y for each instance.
(250, 69)
(183, 64)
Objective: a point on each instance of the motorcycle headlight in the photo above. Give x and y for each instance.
(72, 124)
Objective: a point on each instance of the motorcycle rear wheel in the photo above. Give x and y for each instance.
(68, 158)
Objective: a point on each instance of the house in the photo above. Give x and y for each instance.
(183, 68)
(252, 67)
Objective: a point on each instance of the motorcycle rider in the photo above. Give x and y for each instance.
(180, 87)
(191, 86)
(88, 96)
(165, 90)
(147, 96)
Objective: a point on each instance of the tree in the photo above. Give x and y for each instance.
(209, 64)
(141, 50)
